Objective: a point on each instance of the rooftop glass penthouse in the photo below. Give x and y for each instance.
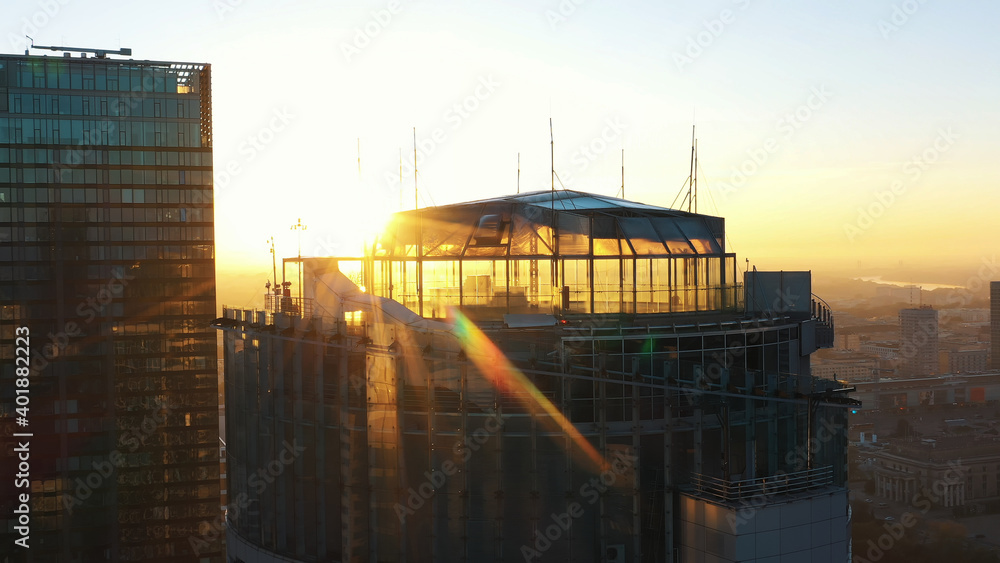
(565, 251)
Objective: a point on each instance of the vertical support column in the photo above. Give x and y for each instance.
(668, 481)
(319, 469)
(635, 280)
(750, 461)
(463, 432)
(698, 430)
(534, 512)
(346, 485)
(621, 286)
(566, 404)
(430, 408)
(590, 265)
(288, 494)
(498, 412)
(602, 443)
(398, 366)
(637, 485)
(772, 423)
(375, 440)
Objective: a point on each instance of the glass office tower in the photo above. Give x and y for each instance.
(107, 257)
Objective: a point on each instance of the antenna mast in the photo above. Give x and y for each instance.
(694, 179)
(552, 157)
(555, 222)
(420, 232)
(274, 266)
(623, 173)
(416, 196)
(691, 173)
(518, 172)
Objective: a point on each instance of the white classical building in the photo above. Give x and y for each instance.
(948, 474)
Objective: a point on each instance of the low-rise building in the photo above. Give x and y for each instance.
(963, 359)
(884, 350)
(948, 473)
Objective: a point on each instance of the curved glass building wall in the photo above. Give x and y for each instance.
(364, 431)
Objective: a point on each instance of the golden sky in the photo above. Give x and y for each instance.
(861, 132)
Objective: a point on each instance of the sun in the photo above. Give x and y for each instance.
(350, 226)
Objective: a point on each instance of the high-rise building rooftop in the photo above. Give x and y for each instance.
(549, 376)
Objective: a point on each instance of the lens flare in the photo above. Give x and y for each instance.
(500, 372)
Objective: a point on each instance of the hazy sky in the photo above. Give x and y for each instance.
(806, 112)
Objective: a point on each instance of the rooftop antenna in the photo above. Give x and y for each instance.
(274, 265)
(518, 172)
(694, 180)
(416, 197)
(555, 223)
(623, 173)
(691, 196)
(298, 226)
(420, 233)
(692, 191)
(552, 159)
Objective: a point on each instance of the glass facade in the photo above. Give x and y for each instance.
(392, 444)
(107, 256)
(390, 435)
(559, 252)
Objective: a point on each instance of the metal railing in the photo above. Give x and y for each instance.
(301, 306)
(824, 322)
(705, 485)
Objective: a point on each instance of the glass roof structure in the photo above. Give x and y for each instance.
(553, 252)
(546, 223)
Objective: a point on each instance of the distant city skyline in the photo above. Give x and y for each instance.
(866, 127)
